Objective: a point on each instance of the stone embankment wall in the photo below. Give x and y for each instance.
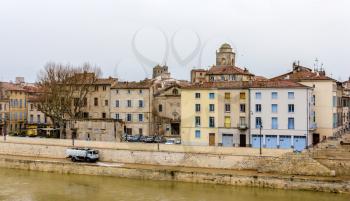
(253, 180)
(277, 161)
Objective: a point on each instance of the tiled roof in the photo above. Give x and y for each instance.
(11, 86)
(145, 84)
(302, 75)
(246, 84)
(220, 70)
(106, 81)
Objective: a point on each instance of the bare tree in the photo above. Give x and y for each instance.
(63, 91)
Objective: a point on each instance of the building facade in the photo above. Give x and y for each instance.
(284, 110)
(327, 96)
(132, 103)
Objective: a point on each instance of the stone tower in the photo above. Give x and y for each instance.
(225, 56)
(160, 70)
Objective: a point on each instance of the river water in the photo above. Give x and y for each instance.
(24, 185)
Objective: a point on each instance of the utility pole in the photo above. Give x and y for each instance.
(260, 138)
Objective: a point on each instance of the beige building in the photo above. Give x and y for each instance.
(4, 106)
(167, 111)
(327, 97)
(215, 114)
(98, 100)
(17, 106)
(132, 102)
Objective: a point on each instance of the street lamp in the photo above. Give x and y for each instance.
(260, 128)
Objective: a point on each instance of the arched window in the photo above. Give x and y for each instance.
(175, 92)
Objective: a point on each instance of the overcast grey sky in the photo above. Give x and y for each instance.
(268, 35)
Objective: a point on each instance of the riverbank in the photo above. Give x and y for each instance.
(183, 174)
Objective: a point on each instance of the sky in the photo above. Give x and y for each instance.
(126, 38)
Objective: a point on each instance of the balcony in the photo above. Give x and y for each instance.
(313, 126)
(242, 126)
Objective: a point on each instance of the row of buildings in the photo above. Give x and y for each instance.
(223, 105)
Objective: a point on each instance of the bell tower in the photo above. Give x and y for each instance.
(225, 56)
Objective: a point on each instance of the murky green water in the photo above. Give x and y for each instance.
(28, 186)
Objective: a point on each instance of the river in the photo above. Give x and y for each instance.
(21, 185)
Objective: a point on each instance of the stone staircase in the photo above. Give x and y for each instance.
(333, 155)
(295, 164)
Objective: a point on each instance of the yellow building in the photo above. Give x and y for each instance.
(215, 114)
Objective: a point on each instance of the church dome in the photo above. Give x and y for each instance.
(225, 46)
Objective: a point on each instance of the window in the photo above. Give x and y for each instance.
(197, 121)
(198, 134)
(290, 108)
(227, 122)
(242, 107)
(258, 95)
(211, 95)
(334, 101)
(242, 121)
(198, 95)
(140, 117)
(117, 116)
(227, 95)
(258, 122)
(198, 107)
(140, 103)
(257, 107)
(0, 106)
(117, 91)
(103, 115)
(274, 108)
(96, 88)
(129, 91)
(106, 102)
(290, 95)
(31, 119)
(242, 95)
(140, 91)
(96, 101)
(38, 118)
(211, 107)
(211, 122)
(175, 92)
(117, 103)
(160, 108)
(227, 108)
(335, 120)
(290, 123)
(129, 103)
(104, 88)
(314, 99)
(274, 95)
(140, 131)
(128, 117)
(274, 123)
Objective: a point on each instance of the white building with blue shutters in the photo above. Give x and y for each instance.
(284, 109)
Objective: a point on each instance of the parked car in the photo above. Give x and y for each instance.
(177, 141)
(128, 138)
(82, 154)
(149, 139)
(159, 139)
(142, 138)
(170, 141)
(135, 138)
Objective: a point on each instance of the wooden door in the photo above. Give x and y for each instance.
(211, 139)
